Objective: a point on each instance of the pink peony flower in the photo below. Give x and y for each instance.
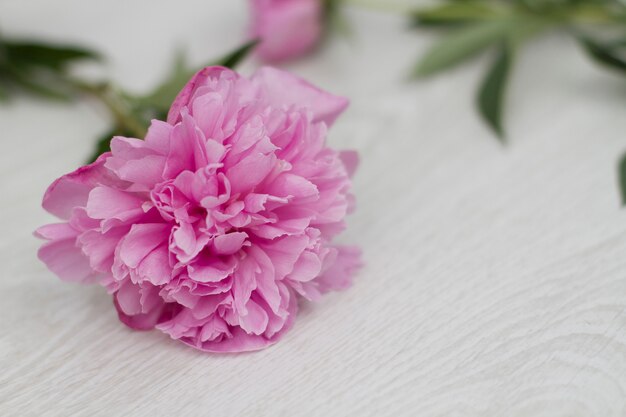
(287, 28)
(213, 226)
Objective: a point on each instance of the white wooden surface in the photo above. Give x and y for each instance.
(496, 277)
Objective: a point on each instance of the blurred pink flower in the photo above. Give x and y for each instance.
(287, 28)
(213, 226)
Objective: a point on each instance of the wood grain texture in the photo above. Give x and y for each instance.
(495, 282)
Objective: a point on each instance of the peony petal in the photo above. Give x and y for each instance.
(129, 298)
(147, 171)
(187, 148)
(155, 267)
(150, 298)
(307, 267)
(141, 240)
(129, 148)
(210, 112)
(143, 321)
(284, 317)
(56, 231)
(184, 237)
(107, 203)
(248, 173)
(240, 341)
(100, 247)
(244, 281)
(287, 28)
(158, 136)
(229, 243)
(213, 329)
(281, 253)
(350, 160)
(72, 190)
(207, 305)
(338, 276)
(256, 319)
(182, 324)
(199, 79)
(66, 260)
(290, 185)
(268, 290)
(284, 89)
(210, 271)
(255, 203)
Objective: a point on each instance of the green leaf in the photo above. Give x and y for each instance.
(622, 178)
(4, 94)
(162, 97)
(603, 54)
(38, 68)
(617, 44)
(34, 85)
(455, 13)
(338, 23)
(460, 45)
(492, 89)
(233, 59)
(51, 56)
(37, 89)
(334, 19)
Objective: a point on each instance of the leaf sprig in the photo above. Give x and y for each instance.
(474, 26)
(43, 70)
(132, 113)
(38, 68)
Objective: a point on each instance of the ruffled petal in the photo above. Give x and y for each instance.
(72, 190)
(340, 271)
(284, 89)
(198, 80)
(66, 260)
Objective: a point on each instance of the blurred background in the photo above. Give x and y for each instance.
(494, 281)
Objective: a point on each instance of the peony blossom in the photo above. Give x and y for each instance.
(213, 227)
(287, 28)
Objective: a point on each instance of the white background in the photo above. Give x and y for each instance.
(495, 282)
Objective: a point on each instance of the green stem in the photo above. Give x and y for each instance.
(392, 6)
(586, 14)
(579, 15)
(115, 103)
(594, 16)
